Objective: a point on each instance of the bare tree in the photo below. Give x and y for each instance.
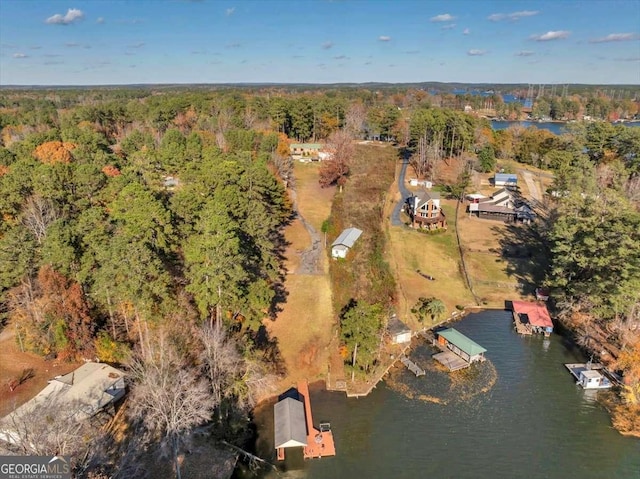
(284, 168)
(48, 428)
(169, 397)
(419, 160)
(37, 215)
(220, 358)
(336, 169)
(229, 374)
(354, 120)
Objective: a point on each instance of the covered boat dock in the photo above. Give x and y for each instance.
(531, 318)
(294, 426)
(458, 351)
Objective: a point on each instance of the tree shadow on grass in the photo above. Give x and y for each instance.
(526, 254)
(270, 350)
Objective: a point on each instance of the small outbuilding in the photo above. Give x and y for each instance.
(340, 247)
(508, 180)
(400, 333)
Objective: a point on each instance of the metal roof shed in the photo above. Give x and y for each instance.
(290, 424)
(345, 241)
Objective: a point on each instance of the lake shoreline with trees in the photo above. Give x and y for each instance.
(155, 230)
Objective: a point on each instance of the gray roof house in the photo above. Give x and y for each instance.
(77, 396)
(290, 427)
(344, 242)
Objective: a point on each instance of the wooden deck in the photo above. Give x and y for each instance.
(411, 366)
(319, 442)
(451, 360)
(521, 328)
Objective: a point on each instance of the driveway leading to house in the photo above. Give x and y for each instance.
(531, 184)
(404, 194)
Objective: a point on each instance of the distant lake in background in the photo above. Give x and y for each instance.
(518, 415)
(556, 128)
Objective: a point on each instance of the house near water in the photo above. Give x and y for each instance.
(400, 333)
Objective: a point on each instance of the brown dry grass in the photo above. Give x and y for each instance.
(435, 255)
(305, 326)
(487, 269)
(13, 362)
(314, 202)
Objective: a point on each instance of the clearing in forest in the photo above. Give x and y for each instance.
(304, 328)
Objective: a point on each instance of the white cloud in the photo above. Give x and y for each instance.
(445, 17)
(525, 53)
(20, 55)
(466, 31)
(514, 16)
(100, 20)
(628, 59)
(72, 15)
(327, 45)
(136, 45)
(545, 37)
(230, 11)
(450, 26)
(384, 38)
(476, 53)
(340, 57)
(616, 37)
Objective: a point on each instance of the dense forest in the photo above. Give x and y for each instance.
(145, 227)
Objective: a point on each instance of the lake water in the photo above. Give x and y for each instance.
(554, 127)
(518, 415)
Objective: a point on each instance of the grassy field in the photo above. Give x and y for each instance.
(433, 254)
(304, 328)
(494, 275)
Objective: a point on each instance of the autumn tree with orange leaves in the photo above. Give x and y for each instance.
(52, 315)
(53, 152)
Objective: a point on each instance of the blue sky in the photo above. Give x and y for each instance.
(318, 41)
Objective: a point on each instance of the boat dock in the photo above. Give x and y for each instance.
(411, 366)
(589, 375)
(451, 360)
(319, 441)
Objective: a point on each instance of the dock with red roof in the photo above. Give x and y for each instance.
(530, 318)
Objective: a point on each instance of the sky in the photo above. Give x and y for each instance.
(99, 42)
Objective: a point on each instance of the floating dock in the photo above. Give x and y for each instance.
(411, 366)
(589, 375)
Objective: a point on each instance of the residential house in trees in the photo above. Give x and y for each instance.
(425, 212)
(305, 151)
(504, 205)
(78, 396)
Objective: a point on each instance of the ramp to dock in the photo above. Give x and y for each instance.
(451, 361)
(411, 366)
